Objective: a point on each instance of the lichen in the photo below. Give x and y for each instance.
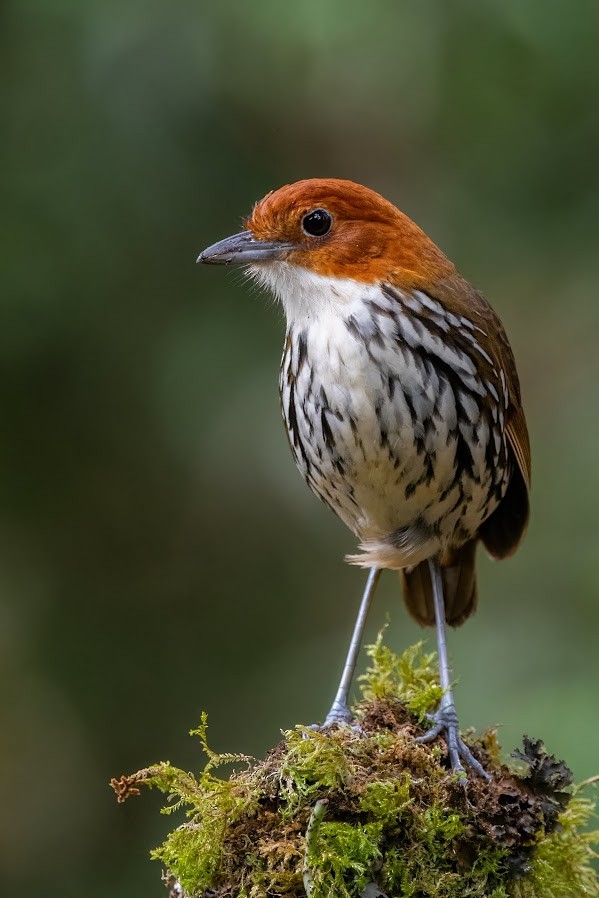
(368, 811)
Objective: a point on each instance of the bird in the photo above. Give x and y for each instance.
(401, 400)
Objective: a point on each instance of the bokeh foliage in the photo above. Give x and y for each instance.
(159, 552)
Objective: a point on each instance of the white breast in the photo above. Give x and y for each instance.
(381, 413)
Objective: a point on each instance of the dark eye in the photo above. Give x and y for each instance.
(317, 223)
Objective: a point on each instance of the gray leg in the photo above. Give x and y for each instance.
(445, 720)
(340, 712)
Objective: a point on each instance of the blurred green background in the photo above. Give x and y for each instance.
(160, 554)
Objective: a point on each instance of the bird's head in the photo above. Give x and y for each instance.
(332, 229)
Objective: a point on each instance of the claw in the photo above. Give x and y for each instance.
(445, 720)
(339, 715)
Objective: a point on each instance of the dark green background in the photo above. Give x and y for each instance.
(160, 554)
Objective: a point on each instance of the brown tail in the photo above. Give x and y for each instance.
(458, 574)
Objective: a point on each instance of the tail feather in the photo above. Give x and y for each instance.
(458, 575)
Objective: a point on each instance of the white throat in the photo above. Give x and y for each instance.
(305, 295)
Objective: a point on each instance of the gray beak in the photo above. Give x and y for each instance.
(244, 249)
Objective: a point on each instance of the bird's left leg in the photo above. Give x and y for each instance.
(445, 719)
(340, 712)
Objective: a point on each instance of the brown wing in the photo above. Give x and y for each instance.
(517, 434)
(502, 532)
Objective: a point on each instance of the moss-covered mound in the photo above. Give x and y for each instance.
(370, 812)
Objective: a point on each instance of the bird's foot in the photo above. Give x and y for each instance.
(445, 721)
(339, 715)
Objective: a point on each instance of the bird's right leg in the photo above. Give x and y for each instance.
(340, 712)
(445, 719)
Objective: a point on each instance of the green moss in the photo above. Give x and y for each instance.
(386, 799)
(312, 765)
(410, 677)
(343, 813)
(344, 857)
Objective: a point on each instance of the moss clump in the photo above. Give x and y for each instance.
(370, 812)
